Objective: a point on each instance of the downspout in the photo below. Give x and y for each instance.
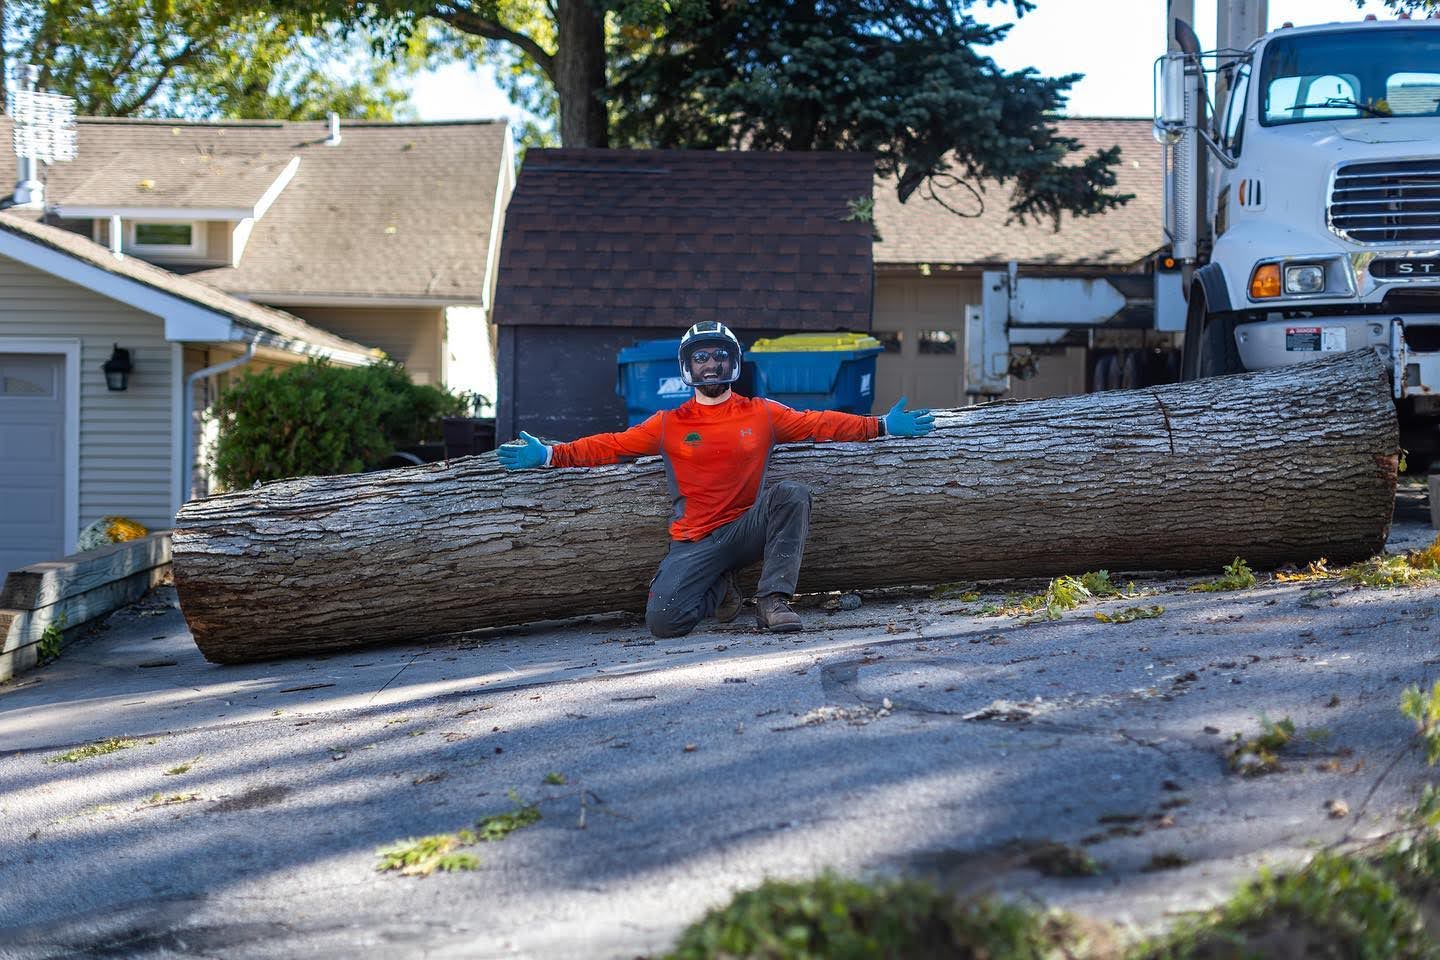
(187, 433)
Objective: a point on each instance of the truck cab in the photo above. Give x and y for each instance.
(1308, 217)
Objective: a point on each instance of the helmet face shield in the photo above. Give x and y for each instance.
(709, 355)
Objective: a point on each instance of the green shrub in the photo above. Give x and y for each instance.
(318, 419)
(832, 917)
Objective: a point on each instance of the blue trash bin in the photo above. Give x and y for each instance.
(649, 379)
(818, 371)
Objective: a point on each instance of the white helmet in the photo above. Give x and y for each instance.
(712, 339)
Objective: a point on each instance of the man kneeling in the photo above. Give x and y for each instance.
(716, 448)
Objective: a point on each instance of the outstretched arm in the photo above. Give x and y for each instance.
(792, 425)
(641, 440)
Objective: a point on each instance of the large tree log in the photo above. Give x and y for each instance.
(1285, 465)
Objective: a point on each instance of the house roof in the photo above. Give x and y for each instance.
(921, 230)
(134, 178)
(295, 333)
(645, 238)
(394, 210)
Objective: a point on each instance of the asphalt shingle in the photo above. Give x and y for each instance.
(643, 238)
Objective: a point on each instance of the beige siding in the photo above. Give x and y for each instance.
(414, 336)
(125, 438)
(914, 306)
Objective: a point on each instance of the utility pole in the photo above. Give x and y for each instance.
(1237, 24)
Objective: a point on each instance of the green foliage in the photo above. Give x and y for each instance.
(500, 825)
(1334, 907)
(440, 851)
(907, 81)
(836, 917)
(1130, 614)
(555, 779)
(422, 857)
(200, 60)
(1065, 593)
(1261, 753)
(51, 639)
(1424, 709)
(318, 419)
(1237, 576)
(99, 749)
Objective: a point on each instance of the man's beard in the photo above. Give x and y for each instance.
(713, 390)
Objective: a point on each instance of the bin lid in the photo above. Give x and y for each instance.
(815, 342)
(648, 350)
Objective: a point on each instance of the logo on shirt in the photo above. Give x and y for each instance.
(693, 439)
(746, 432)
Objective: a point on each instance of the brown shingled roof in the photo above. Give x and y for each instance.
(667, 238)
(173, 178)
(248, 314)
(922, 231)
(394, 210)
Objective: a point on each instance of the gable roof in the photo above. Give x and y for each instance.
(667, 238)
(395, 210)
(285, 331)
(922, 231)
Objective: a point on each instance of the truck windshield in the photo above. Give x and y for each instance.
(1362, 73)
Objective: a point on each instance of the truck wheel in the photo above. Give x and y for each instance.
(1210, 349)
(1219, 357)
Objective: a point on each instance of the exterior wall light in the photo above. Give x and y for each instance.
(117, 369)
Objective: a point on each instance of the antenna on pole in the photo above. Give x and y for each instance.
(44, 132)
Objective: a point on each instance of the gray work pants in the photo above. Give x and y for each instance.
(691, 580)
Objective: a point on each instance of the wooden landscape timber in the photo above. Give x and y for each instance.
(1285, 465)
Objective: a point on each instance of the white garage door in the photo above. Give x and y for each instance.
(32, 459)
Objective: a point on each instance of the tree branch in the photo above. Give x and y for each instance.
(472, 23)
(185, 54)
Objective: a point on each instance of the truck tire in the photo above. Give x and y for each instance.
(1209, 349)
(1219, 357)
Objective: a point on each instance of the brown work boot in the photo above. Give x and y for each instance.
(729, 607)
(774, 614)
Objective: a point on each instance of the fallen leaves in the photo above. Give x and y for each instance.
(1130, 614)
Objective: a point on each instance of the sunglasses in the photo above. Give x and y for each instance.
(705, 356)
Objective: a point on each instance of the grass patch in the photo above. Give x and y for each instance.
(1334, 907)
(441, 851)
(835, 917)
(1237, 575)
(89, 750)
(1261, 754)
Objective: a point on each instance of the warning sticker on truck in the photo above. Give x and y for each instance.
(1323, 339)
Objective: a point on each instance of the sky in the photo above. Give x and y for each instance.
(1114, 43)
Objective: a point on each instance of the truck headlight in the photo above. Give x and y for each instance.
(1305, 278)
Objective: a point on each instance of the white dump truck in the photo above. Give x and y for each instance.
(1306, 220)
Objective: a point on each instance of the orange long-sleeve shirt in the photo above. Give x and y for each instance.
(715, 454)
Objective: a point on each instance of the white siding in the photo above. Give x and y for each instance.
(126, 454)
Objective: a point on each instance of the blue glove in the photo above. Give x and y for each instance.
(522, 456)
(916, 423)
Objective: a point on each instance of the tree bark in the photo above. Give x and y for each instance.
(1285, 465)
(579, 74)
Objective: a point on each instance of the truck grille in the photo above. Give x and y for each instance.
(1393, 201)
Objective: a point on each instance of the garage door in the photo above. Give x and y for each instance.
(32, 459)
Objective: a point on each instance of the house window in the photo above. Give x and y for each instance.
(936, 341)
(165, 236)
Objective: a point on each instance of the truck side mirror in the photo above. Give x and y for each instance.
(1172, 89)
